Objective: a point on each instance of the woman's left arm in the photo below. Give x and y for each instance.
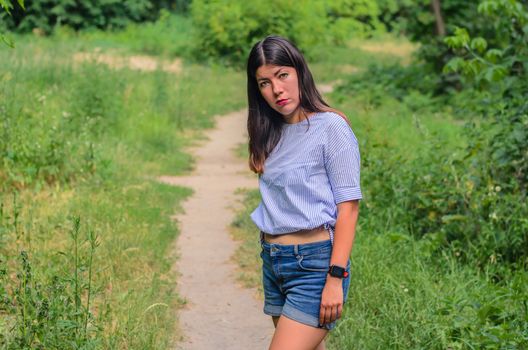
(345, 229)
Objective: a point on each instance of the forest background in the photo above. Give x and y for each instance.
(435, 91)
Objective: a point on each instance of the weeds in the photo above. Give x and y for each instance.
(44, 309)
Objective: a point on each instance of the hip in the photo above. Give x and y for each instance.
(298, 237)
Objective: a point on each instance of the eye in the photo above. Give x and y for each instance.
(263, 84)
(283, 75)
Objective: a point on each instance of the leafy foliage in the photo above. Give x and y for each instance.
(353, 18)
(229, 29)
(47, 14)
(472, 200)
(226, 30)
(7, 6)
(500, 58)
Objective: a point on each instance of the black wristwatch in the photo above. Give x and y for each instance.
(337, 271)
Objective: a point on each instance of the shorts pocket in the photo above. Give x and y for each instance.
(314, 263)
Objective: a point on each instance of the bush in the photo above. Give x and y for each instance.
(227, 30)
(103, 14)
(472, 201)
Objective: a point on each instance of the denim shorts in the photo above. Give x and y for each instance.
(293, 278)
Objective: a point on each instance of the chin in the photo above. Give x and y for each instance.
(287, 113)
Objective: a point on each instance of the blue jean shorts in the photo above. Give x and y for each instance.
(293, 278)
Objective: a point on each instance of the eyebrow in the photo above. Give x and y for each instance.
(275, 74)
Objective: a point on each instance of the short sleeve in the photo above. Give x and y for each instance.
(342, 161)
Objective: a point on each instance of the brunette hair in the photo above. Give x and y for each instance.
(264, 123)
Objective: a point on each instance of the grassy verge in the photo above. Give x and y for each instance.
(85, 230)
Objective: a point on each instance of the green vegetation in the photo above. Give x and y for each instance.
(227, 30)
(85, 229)
(85, 232)
(46, 15)
(441, 252)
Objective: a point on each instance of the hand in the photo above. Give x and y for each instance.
(331, 300)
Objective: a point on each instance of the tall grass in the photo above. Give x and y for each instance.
(85, 140)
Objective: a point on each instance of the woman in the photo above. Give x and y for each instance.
(307, 159)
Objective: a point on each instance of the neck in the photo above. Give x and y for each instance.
(296, 117)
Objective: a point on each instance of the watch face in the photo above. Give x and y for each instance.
(337, 271)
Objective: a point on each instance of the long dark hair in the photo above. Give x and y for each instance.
(264, 123)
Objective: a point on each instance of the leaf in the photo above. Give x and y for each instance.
(488, 7)
(463, 35)
(396, 237)
(454, 65)
(479, 44)
(493, 55)
(450, 218)
(5, 5)
(7, 41)
(494, 74)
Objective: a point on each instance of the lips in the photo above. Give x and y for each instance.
(282, 102)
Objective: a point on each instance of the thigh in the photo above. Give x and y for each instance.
(293, 335)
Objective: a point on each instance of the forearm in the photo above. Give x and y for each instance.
(344, 234)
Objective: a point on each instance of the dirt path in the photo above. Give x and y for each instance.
(135, 62)
(219, 314)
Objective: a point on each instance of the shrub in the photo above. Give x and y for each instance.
(473, 201)
(103, 14)
(227, 30)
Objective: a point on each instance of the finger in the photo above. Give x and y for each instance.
(323, 315)
(334, 313)
(328, 314)
(339, 310)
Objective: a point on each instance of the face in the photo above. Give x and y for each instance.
(279, 87)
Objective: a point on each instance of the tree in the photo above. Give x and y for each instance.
(440, 25)
(7, 6)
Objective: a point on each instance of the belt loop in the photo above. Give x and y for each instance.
(296, 249)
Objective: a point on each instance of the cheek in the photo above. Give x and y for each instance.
(294, 88)
(266, 96)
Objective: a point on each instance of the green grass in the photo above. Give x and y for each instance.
(80, 140)
(335, 63)
(394, 124)
(402, 299)
(169, 36)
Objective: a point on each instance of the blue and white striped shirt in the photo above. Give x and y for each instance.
(310, 171)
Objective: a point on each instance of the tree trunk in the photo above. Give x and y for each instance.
(440, 25)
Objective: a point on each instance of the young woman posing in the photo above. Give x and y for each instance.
(308, 161)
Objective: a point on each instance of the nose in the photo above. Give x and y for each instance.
(277, 88)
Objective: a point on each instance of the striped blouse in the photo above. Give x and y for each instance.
(314, 167)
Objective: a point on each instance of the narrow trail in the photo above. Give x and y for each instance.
(219, 313)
